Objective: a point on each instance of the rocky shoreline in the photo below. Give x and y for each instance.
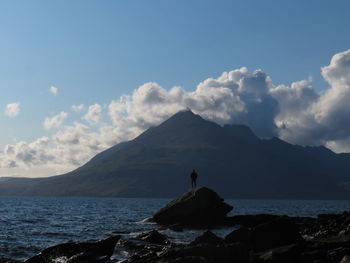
(256, 238)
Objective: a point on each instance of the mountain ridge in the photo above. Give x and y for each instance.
(230, 159)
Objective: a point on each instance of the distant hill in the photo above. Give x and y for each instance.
(229, 159)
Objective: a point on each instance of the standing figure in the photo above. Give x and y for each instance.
(194, 176)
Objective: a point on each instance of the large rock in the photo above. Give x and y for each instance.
(154, 237)
(198, 207)
(279, 232)
(73, 252)
(207, 237)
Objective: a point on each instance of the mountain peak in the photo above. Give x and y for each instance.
(185, 112)
(183, 116)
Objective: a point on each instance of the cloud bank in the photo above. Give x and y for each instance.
(295, 113)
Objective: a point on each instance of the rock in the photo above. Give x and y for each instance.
(7, 260)
(199, 207)
(208, 238)
(154, 237)
(238, 235)
(285, 254)
(313, 255)
(176, 227)
(251, 220)
(346, 259)
(221, 254)
(336, 255)
(72, 252)
(189, 259)
(276, 233)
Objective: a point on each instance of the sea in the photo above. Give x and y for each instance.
(30, 224)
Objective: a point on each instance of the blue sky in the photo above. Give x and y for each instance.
(95, 51)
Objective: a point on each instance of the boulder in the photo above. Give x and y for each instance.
(7, 260)
(154, 237)
(346, 259)
(285, 254)
(208, 237)
(251, 220)
(214, 254)
(276, 233)
(238, 235)
(99, 251)
(199, 207)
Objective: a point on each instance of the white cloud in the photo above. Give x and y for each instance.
(235, 97)
(12, 109)
(93, 115)
(320, 118)
(53, 90)
(55, 121)
(78, 108)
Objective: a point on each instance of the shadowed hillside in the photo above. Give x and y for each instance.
(230, 159)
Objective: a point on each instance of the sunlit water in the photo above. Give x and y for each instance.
(30, 224)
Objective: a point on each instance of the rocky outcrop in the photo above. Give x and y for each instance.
(273, 234)
(208, 238)
(74, 252)
(199, 207)
(154, 237)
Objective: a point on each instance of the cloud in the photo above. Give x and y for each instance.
(295, 116)
(55, 121)
(53, 90)
(93, 115)
(12, 109)
(319, 119)
(34, 153)
(78, 108)
(296, 113)
(235, 97)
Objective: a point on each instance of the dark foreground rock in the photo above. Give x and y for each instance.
(265, 238)
(256, 239)
(199, 207)
(154, 237)
(7, 260)
(72, 252)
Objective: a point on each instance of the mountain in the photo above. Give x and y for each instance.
(229, 159)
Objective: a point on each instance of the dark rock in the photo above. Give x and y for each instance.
(345, 259)
(285, 254)
(221, 254)
(208, 238)
(189, 259)
(130, 244)
(154, 237)
(99, 251)
(238, 235)
(332, 242)
(336, 255)
(279, 232)
(251, 220)
(176, 227)
(199, 207)
(7, 260)
(313, 255)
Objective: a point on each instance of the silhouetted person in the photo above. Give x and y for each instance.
(194, 176)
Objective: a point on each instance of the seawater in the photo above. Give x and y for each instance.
(30, 224)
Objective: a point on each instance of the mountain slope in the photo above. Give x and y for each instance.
(230, 159)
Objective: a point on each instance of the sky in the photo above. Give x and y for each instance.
(77, 77)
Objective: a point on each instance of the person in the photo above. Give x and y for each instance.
(194, 176)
